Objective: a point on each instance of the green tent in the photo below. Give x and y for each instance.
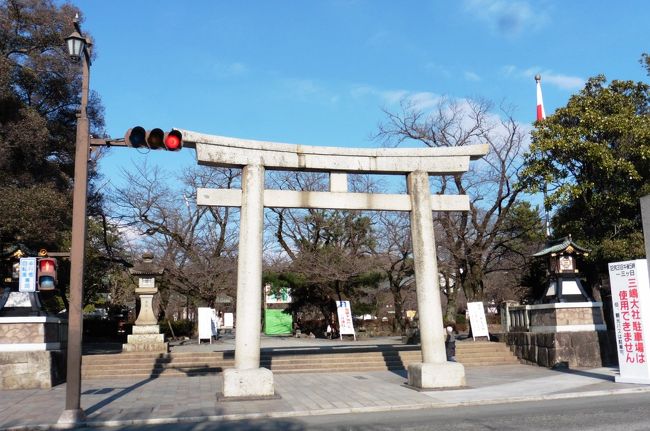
(277, 323)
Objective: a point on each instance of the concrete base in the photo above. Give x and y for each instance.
(145, 338)
(256, 382)
(148, 346)
(636, 380)
(145, 329)
(434, 376)
(71, 418)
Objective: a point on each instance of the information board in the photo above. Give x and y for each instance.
(278, 296)
(206, 318)
(27, 277)
(477, 320)
(228, 320)
(344, 313)
(630, 301)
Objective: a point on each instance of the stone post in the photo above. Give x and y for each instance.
(247, 379)
(434, 371)
(146, 336)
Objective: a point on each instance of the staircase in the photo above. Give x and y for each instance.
(385, 358)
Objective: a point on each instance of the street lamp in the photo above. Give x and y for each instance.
(79, 50)
(76, 44)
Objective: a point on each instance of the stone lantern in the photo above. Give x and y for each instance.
(146, 336)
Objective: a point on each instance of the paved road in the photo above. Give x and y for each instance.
(613, 413)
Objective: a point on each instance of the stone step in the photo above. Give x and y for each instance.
(273, 364)
(217, 359)
(110, 359)
(147, 365)
(301, 362)
(462, 349)
(139, 374)
(197, 371)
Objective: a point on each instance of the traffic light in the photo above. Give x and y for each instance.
(155, 139)
(46, 273)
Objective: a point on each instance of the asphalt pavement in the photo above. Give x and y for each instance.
(168, 400)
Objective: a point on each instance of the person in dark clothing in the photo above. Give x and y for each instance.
(450, 344)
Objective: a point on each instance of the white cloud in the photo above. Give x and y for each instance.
(303, 87)
(509, 70)
(393, 96)
(508, 17)
(389, 97)
(360, 91)
(227, 70)
(471, 76)
(423, 100)
(564, 82)
(419, 100)
(437, 68)
(308, 90)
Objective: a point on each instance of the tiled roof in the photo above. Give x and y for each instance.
(561, 245)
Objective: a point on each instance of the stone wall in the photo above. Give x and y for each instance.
(32, 352)
(29, 332)
(566, 316)
(572, 349)
(31, 370)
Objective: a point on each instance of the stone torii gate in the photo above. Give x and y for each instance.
(247, 379)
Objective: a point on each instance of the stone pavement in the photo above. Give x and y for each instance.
(195, 399)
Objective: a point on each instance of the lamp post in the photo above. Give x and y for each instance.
(79, 50)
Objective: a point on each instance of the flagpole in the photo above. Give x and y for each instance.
(541, 115)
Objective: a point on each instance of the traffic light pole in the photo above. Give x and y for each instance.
(73, 414)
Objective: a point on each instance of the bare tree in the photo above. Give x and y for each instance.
(328, 251)
(395, 254)
(195, 245)
(476, 242)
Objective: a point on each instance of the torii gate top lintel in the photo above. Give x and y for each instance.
(233, 152)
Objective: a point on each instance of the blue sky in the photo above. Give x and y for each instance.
(320, 72)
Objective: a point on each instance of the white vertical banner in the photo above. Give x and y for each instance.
(228, 320)
(477, 320)
(344, 313)
(631, 301)
(205, 324)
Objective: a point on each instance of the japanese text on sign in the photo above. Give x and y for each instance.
(630, 340)
(630, 302)
(344, 312)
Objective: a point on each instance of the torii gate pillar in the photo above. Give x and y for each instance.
(434, 371)
(247, 379)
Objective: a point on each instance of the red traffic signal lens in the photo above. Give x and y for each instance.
(155, 139)
(136, 137)
(46, 265)
(174, 140)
